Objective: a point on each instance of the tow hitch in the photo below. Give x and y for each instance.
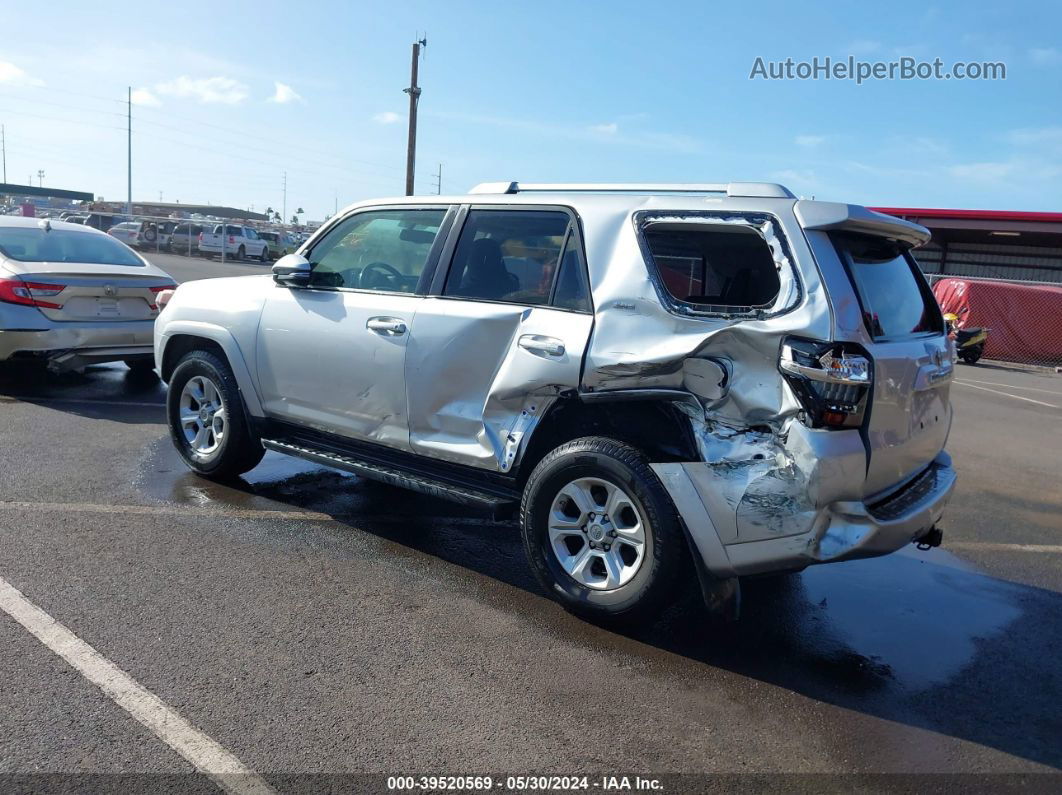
(931, 539)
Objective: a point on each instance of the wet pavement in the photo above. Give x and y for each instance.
(391, 632)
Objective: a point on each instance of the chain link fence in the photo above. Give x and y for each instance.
(1021, 321)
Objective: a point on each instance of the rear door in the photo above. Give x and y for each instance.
(910, 411)
(503, 332)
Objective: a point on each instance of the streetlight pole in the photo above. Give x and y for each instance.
(3, 148)
(40, 178)
(414, 97)
(129, 152)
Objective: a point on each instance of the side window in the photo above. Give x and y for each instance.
(507, 255)
(572, 291)
(714, 265)
(376, 250)
(249, 233)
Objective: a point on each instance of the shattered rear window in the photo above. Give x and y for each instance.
(714, 266)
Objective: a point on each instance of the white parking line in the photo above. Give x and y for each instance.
(226, 513)
(47, 400)
(1006, 394)
(165, 510)
(205, 754)
(1054, 392)
(988, 545)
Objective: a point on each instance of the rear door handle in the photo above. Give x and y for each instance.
(536, 343)
(386, 325)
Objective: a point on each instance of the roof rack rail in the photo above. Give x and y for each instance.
(751, 190)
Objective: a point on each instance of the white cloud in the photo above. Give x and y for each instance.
(982, 172)
(387, 117)
(223, 90)
(1045, 56)
(143, 96)
(13, 75)
(284, 94)
(1034, 136)
(863, 47)
(605, 129)
(809, 141)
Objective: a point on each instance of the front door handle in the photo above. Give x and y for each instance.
(386, 325)
(536, 343)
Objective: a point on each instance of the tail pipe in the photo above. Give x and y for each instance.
(933, 538)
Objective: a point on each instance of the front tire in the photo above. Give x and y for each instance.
(601, 533)
(207, 421)
(264, 256)
(241, 252)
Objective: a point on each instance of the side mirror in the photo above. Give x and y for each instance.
(292, 270)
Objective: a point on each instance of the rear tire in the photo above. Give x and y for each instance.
(597, 490)
(207, 420)
(971, 356)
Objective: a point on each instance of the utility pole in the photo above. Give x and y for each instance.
(40, 177)
(129, 163)
(438, 181)
(414, 97)
(284, 212)
(3, 148)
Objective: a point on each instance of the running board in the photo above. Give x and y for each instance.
(500, 505)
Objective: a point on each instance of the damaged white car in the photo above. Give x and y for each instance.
(671, 383)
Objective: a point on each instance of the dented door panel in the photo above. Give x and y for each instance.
(480, 374)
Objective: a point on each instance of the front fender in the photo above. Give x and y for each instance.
(224, 338)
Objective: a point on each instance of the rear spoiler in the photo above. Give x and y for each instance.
(856, 218)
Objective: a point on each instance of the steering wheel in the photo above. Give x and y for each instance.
(380, 274)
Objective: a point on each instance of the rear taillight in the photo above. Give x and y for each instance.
(232, 239)
(200, 237)
(162, 295)
(831, 379)
(16, 291)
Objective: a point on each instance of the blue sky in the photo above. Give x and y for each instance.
(231, 95)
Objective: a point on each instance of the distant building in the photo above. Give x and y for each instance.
(44, 197)
(990, 244)
(179, 210)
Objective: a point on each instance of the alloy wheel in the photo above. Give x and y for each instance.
(203, 416)
(597, 533)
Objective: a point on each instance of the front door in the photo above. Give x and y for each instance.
(504, 336)
(332, 355)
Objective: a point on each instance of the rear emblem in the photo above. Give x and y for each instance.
(110, 290)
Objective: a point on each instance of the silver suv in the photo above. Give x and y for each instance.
(672, 383)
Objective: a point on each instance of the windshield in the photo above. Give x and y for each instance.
(36, 245)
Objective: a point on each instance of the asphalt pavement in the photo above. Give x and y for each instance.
(308, 621)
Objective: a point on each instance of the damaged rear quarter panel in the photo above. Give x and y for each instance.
(759, 477)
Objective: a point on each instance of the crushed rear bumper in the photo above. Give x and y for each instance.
(67, 346)
(842, 530)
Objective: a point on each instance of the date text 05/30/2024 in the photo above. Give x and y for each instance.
(524, 783)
